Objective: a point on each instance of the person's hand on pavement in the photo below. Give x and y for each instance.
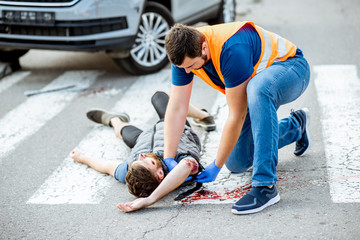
(134, 205)
(77, 156)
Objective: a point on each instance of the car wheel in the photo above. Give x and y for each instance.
(11, 55)
(226, 14)
(148, 54)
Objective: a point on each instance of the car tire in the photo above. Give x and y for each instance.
(12, 55)
(227, 13)
(148, 54)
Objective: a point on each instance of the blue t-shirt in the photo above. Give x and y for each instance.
(239, 55)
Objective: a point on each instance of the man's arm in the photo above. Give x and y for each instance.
(173, 180)
(175, 118)
(236, 98)
(237, 101)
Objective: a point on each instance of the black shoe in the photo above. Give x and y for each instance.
(160, 101)
(207, 123)
(302, 145)
(102, 117)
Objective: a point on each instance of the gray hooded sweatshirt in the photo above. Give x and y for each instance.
(152, 140)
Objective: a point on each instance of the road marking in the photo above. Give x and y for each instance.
(228, 187)
(338, 90)
(75, 183)
(12, 79)
(31, 115)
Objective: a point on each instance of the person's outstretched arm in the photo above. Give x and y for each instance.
(100, 165)
(175, 117)
(173, 180)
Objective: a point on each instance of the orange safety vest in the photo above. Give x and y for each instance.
(273, 47)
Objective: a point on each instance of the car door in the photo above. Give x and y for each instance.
(189, 10)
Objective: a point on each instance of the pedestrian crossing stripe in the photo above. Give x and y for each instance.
(12, 79)
(338, 92)
(39, 109)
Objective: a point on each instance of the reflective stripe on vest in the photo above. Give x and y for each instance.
(273, 48)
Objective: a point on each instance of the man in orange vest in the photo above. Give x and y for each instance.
(258, 71)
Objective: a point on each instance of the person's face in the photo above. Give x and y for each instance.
(190, 64)
(153, 165)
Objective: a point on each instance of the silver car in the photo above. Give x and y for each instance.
(132, 32)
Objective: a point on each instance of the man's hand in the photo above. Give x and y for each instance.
(170, 163)
(134, 205)
(209, 174)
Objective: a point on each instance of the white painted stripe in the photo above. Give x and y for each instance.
(210, 142)
(30, 116)
(72, 182)
(12, 79)
(338, 88)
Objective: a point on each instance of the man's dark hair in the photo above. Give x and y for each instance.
(140, 181)
(183, 41)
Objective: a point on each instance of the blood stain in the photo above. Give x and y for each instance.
(205, 194)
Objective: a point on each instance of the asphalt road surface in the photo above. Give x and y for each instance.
(45, 195)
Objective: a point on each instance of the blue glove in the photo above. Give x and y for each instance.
(170, 163)
(189, 178)
(209, 174)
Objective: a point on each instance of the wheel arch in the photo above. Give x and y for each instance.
(165, 3)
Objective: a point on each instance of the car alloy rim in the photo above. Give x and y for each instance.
(149, 47)
(229, 10)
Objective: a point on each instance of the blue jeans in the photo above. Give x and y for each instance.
(262, 134)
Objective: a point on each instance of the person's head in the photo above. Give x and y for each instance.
(186, 47)
(144, 175)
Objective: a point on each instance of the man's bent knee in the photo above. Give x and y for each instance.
(236, 168)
